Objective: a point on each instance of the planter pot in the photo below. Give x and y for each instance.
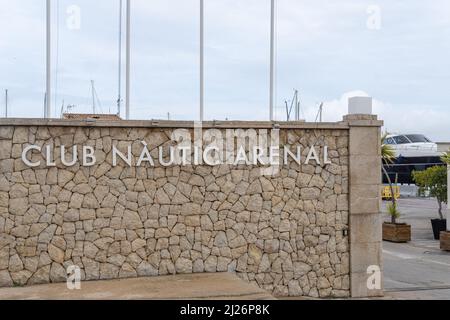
(438, 226)
(445, 240)
(400, 232)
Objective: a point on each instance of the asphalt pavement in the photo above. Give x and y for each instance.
(419, 269)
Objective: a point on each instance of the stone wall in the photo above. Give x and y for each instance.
(287, 233)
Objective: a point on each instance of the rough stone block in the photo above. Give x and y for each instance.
(365, 141)
(365, 170)
(366, 228)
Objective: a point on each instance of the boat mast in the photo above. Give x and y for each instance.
(321, 111)
(62, 110)
(297, 106)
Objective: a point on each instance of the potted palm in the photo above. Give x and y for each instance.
(445, 235)
(392, 231)
(434, 179)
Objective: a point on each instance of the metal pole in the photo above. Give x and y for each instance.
(272, 59)
(202, 60)
(128, 58)
(119, 98)
(48, 71)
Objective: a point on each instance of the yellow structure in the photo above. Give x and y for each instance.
(386, 192)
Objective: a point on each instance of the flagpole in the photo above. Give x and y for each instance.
(48, 67)
(119, 96)
(272, 59)
(128, 60)
(202, 59)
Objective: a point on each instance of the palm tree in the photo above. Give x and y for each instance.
(446, 157)
(388, 156)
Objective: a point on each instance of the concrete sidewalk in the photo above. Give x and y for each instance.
(218, 286)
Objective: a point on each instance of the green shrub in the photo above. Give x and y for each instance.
(434, 179)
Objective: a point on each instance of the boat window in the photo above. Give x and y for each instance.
(418, 138)
(389, 141)
(401, 140)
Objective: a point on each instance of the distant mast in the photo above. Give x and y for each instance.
(297, 106)
(321, 112)
(95, 99)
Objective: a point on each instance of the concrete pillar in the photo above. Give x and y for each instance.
(365, 218)
(360, 105)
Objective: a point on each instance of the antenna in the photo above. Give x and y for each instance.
(70, 107)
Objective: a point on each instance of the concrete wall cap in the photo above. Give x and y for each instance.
(173, 124)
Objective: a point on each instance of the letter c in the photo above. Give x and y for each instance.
(25, 159)
(206, 156)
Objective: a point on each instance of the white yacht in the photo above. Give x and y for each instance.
(412, 145)
(414, 152)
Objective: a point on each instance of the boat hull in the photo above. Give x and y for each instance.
(402, 168)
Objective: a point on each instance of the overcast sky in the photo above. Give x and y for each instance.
(397, 51)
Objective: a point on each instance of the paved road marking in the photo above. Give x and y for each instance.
(437, 262)
(410, 257)
(417, 289)
(400, 255)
